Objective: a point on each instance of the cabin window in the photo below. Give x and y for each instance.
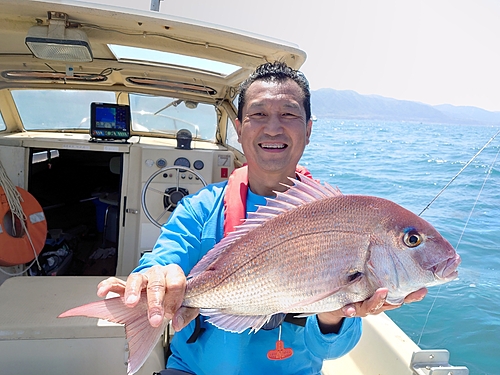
(2, 123)
(168, 115)
(58, 109)
(152, 57)
(232, 137)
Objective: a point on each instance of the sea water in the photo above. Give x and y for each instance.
(410, 163)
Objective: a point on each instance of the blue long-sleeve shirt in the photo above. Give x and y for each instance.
(194, 227)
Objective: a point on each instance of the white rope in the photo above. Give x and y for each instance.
(14, 200)
(20, 272)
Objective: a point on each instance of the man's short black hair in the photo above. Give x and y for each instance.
(278, 72)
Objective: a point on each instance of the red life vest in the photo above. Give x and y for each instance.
(235, 198)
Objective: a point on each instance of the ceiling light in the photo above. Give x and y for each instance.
(58, 42)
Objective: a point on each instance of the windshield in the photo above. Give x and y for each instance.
(70, 110)
(57, 109)
(168, 115)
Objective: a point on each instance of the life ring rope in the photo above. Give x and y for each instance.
(14, 200)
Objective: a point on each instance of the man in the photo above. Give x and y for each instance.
(273, 126)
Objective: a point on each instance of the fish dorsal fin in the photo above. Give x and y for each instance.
(302, 191)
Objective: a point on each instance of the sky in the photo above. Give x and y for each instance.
(429, 51)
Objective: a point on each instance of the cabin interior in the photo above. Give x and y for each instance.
(79, 192)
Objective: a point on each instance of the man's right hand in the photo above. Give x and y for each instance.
(165, 287)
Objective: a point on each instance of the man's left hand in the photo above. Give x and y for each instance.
(330, 322)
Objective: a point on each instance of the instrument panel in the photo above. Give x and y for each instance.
(213, 165)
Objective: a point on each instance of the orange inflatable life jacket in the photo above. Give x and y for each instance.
(16, 248)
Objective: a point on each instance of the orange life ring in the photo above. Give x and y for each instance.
(17, 249)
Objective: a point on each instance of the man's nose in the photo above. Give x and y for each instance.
(273, 125)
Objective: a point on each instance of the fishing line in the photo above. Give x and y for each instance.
(428, 314)
(488, 174)
(466, 222)
(461, 170)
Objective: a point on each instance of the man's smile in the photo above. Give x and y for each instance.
(273, 146)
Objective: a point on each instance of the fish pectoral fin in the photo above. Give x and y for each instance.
(141, 336)
(235, 323)
(311, 300)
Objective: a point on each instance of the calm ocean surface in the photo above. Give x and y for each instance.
(409, 164)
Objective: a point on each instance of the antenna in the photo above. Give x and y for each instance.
(155, 5)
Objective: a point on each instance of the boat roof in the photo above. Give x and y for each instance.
(134, 50)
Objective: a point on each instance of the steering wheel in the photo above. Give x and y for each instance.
(172, 194)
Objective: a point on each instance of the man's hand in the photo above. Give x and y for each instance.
(165, 287)
(330, 322)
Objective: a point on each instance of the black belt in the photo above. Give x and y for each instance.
(275, 321)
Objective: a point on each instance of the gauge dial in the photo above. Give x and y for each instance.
(160, 163)
(198, 165)
(182, 162)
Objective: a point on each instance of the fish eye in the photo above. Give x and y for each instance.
(412, 239)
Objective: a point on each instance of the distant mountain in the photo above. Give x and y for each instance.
(347, 104)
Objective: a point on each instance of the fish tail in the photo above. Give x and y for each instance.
(141, 336)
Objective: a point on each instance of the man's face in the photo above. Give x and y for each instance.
(273, 131)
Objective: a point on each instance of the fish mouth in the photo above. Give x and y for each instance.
(447, 270)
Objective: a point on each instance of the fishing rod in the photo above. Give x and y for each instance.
(461, 170)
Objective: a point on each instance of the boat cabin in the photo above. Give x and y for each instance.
(108, 119)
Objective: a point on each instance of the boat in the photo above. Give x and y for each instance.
(109, 116)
